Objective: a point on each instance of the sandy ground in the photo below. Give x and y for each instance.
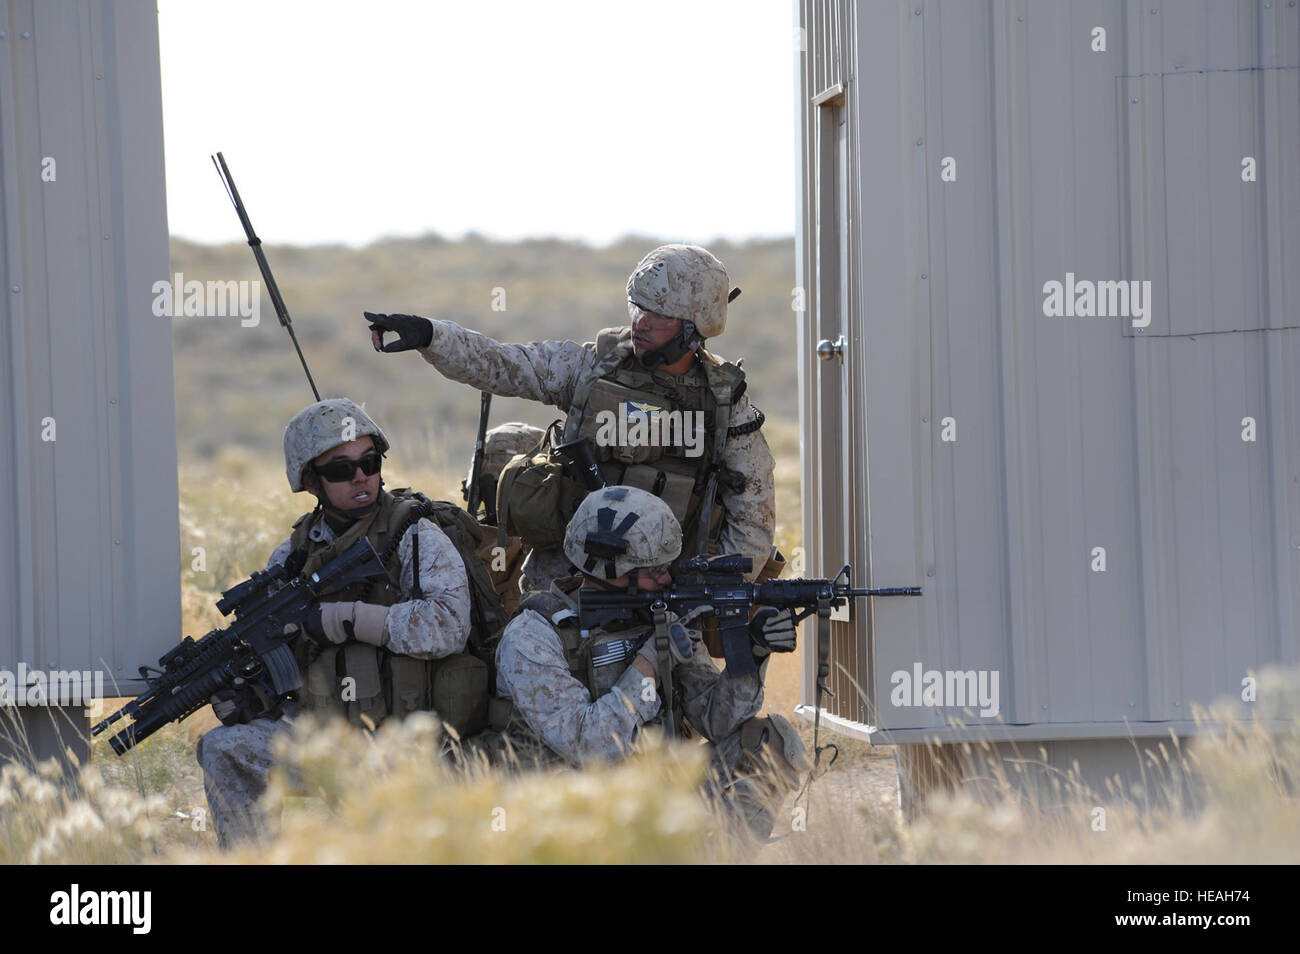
(862, 773)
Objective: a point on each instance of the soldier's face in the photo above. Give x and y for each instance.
(651, 331)
(646, 579)
(356, 491)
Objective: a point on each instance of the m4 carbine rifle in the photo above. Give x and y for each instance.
(253, 651)
(718, 585)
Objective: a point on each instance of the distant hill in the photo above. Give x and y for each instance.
(239, 386)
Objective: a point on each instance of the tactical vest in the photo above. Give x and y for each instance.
(676, 429)
(383, 683)
(597, 659)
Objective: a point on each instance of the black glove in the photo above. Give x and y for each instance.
(313, 627)
(225, 706)
(772, 631)
(241, 704)
(412, 331)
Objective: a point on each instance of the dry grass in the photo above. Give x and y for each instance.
(384, 797)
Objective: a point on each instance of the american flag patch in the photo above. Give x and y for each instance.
(613, 651)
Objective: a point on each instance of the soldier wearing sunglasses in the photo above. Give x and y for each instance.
(365, 653)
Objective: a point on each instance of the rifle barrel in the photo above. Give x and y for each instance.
(886, 591)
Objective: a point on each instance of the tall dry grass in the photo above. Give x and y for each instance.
(362, 797)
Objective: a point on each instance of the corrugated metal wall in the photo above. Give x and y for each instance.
(89, 545)
(1072, 433)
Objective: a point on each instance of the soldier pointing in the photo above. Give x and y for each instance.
(660, 411)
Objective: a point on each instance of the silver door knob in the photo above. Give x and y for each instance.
(827, 349)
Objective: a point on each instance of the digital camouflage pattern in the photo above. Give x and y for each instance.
(549, 371)
(429, 628)
(533, 673)
(502, 443)
(653, 538)
(754, 761)
(236, 759)
(685, 282)
(236, 762)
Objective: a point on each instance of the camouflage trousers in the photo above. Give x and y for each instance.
(236, 762)
(753, 769)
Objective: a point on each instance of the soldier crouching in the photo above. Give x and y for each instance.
(584, 696)
(366, 653)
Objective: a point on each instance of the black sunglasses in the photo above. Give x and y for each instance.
(341, 471)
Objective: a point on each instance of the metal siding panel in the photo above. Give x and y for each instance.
(888, 115)
(1191, 478)
(145, 404)
(1282, 517)
(1278, 190)
(1103, 655)
(73, 312)
(1185, 41)
(93, 566)
(1026, 674)
(1245, 488)
(1090, 438)
(17, 573)
(1060, 560)
(969, 544)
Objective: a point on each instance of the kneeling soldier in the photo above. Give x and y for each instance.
(582, 696)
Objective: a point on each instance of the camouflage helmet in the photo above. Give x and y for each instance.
(323, 425)
(681, 281)
(619, 529)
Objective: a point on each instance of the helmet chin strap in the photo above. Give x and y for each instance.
(674, 349)
(350, 513)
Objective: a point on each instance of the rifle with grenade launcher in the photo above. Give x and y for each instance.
(252, 655)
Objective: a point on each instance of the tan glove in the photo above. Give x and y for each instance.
(368, 623)
(339, 622)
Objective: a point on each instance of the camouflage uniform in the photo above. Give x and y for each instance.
(676, 281)
(236, 759)
(533, 673)
(548, 371)
(505, 564)
(578, 696)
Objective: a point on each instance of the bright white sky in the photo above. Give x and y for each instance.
(347, 121)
